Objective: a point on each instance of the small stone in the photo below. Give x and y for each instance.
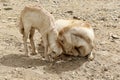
(115, 37)
(116, 19)
(103, 43)
(8, 8)
(29, 66)
(70, 12)
(5, 4)
(4, 21)
(21, 50)
(37, 0)
(55, 2)
(5, 79)
(16, 69)
(118, 75)
(75, 17)
(33, 68)
(9, 18)
(103, 19)
(105, 69)
(119, 16)
(51, 12)
(114, 26)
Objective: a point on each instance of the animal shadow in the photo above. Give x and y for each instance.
(67, 63)
(20, 60)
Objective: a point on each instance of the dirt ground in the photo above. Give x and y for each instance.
(104, 15)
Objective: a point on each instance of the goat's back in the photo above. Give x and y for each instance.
(75, 27)
(37, 17)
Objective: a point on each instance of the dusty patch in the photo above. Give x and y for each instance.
(104, 15)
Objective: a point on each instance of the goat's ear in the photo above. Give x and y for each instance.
(60, 37)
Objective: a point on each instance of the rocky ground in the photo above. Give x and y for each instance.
(104, 15)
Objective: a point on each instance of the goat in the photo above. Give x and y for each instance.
(76, 37)
(36, 17)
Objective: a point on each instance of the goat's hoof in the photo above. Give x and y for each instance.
(48, 58)
(52, 64)
(91, 57)
(33, 53)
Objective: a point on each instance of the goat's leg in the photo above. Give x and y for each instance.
(25, 36)
(45, 43)
(32, 31)
(47, 50)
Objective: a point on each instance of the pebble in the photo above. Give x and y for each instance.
(36, 0)
(105, 69)
(119, 16)
(56, 2)
(9, 18)
(75, 17)
(20, 50)
(4, 21)
(5, 78)
(5, 4)
(70, 12)
(115, 37)
(103, 43)
(8, 8)
(103, 19)
(29, 66)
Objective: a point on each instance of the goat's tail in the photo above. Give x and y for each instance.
(21, 26)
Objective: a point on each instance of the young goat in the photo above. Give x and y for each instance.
(76, 37)
(36, 17)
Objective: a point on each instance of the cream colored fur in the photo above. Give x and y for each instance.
(36, 17)
(76, 37)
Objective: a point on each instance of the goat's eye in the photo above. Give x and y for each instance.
(78, 49)
(62, 41)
